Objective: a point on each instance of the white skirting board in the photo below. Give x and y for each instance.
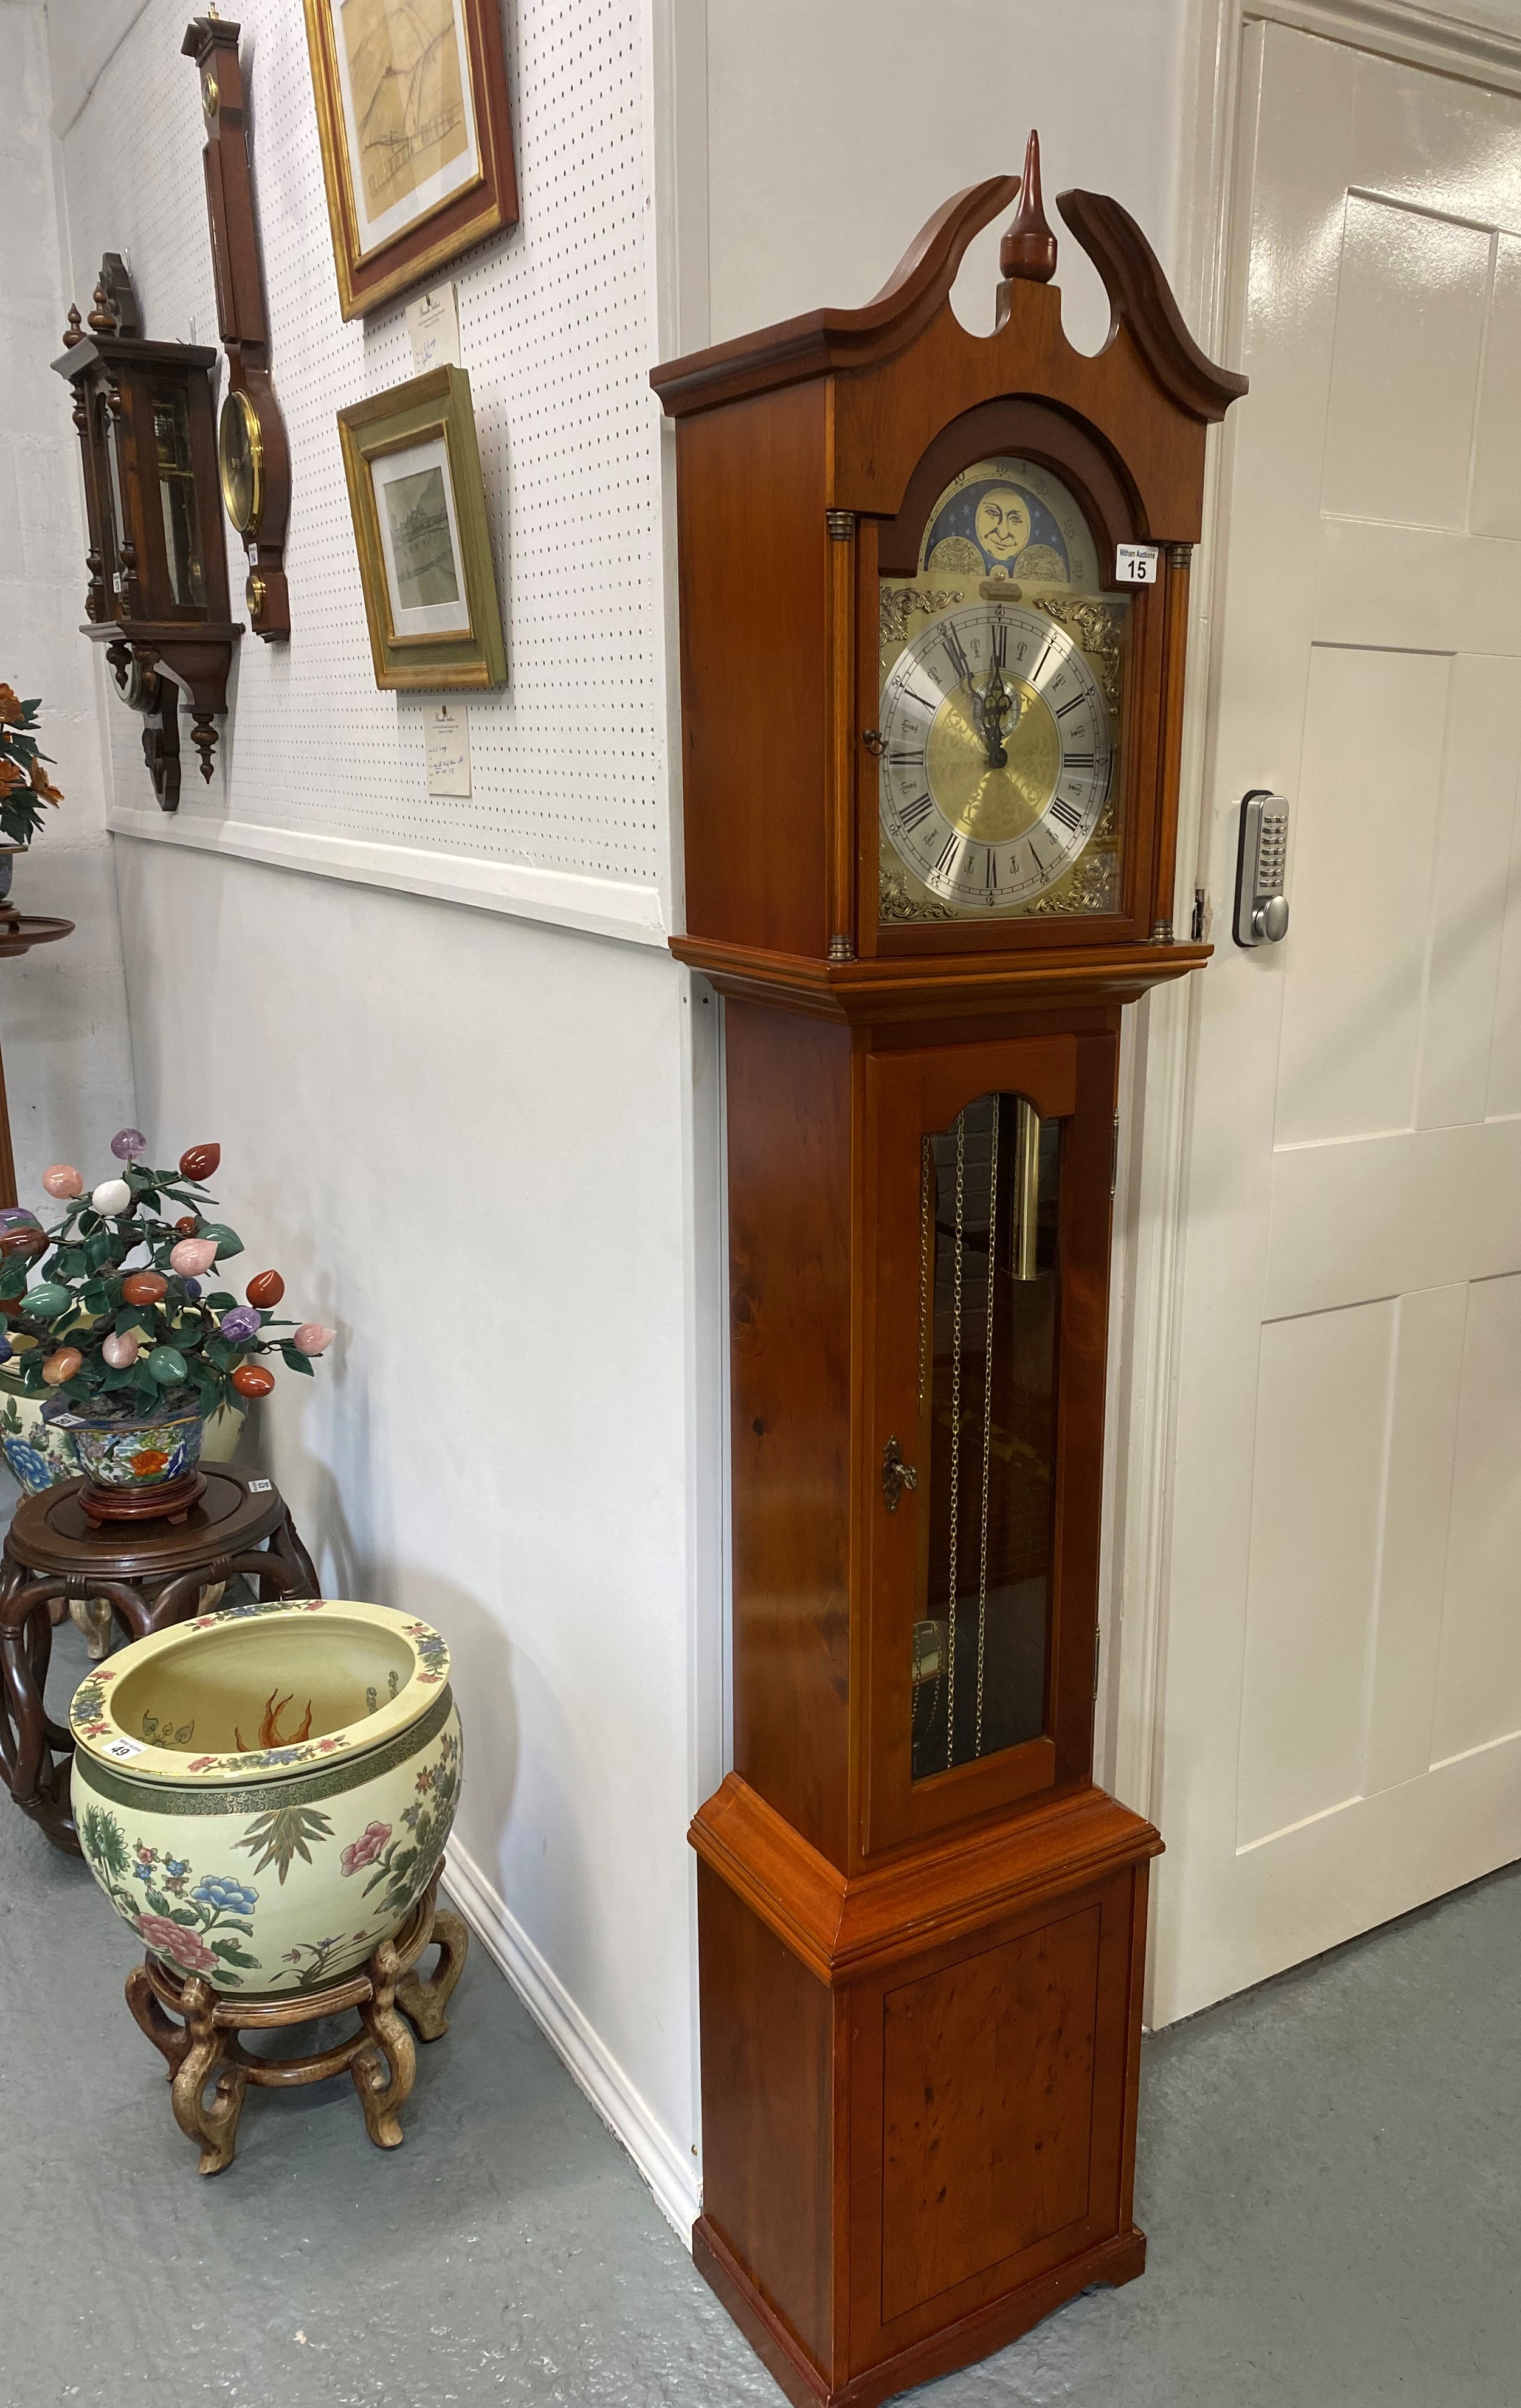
(671, 2173)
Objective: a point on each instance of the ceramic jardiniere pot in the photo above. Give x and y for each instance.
(38, 1453)
(150, 1450)
(263, 1794)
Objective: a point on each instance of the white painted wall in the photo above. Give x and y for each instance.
(834, 133)
(63, 1009)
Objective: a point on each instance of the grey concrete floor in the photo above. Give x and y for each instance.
(1327, 2173)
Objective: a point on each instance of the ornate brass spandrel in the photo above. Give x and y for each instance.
(1098, 628)
(901, 602)
(1094, 883)
(896, 900)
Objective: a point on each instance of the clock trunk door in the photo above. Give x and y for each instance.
(988, 1170)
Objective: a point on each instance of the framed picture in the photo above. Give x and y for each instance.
(417, 141)
(419, 510)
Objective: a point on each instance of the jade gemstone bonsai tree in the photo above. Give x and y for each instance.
(109, 1311)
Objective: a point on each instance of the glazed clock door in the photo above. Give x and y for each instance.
(988, 1174)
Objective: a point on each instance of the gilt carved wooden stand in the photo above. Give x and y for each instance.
(394, 2000)
(149, 1574)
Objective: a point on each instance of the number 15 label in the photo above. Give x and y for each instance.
(1135, 564)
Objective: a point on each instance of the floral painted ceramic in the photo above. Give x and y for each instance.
(41, 1454)
(38, 1453)
(146, 1452)
(263, 1794)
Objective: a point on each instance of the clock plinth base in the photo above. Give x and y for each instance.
(976, 2337)
(919, 2086)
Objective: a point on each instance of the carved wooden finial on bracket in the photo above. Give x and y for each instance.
(1028, 250)
(74, 331)
(103, 317)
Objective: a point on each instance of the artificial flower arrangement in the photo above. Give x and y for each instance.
(117, 1337)
(24, 784)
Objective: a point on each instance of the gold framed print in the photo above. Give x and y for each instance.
(416, 136)
(419, 506)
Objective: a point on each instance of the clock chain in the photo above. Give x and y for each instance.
(926, 1239)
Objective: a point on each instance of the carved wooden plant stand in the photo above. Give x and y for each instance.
(149, 1574)
(381, 2056)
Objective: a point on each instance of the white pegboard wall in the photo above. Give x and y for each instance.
(557, 331)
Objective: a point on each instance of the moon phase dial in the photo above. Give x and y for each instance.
(997, 756)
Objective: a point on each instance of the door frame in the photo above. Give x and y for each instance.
(1156, 1071)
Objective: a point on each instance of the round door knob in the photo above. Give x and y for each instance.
(1270, 919)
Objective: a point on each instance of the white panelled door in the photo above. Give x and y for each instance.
(1340, 1731)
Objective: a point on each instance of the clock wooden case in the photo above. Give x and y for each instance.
(930, 771)
(253, 457)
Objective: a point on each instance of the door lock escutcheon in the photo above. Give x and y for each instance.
(1261, 916)
(897, 1475)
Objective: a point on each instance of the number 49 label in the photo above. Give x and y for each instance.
(123, 1748)
(1135, 564)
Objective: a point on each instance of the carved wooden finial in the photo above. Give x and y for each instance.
(1029, 247)
(74, 331)
(102, 317)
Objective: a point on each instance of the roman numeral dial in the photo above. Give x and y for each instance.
(999, 756)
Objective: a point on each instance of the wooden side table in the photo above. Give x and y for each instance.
(151, 1574)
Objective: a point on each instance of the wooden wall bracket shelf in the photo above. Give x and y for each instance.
(931, 747)
(156, 568)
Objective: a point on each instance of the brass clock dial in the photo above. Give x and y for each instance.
(999, 757)
(999, 718)
(240, 463)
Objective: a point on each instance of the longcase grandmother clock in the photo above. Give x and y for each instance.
(934, 591)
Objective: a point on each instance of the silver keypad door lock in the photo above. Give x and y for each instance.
(1261, 860)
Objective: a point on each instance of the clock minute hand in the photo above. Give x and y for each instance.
(995, 701)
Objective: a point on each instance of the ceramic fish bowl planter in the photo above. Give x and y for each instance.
(137, 1455)
(263, 1794)
(40, 1439)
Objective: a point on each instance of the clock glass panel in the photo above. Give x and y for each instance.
(1002, 672)
(176, 499)
(988, 1432)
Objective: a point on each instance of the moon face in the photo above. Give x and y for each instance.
(1003, 523)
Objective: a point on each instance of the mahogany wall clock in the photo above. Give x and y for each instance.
(253, 458)
(931, 731)
(156, 566)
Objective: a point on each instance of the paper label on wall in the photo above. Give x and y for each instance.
(432, 324)
(1135, 564)
(447, 731)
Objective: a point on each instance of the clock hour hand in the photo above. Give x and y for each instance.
(995, 701)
